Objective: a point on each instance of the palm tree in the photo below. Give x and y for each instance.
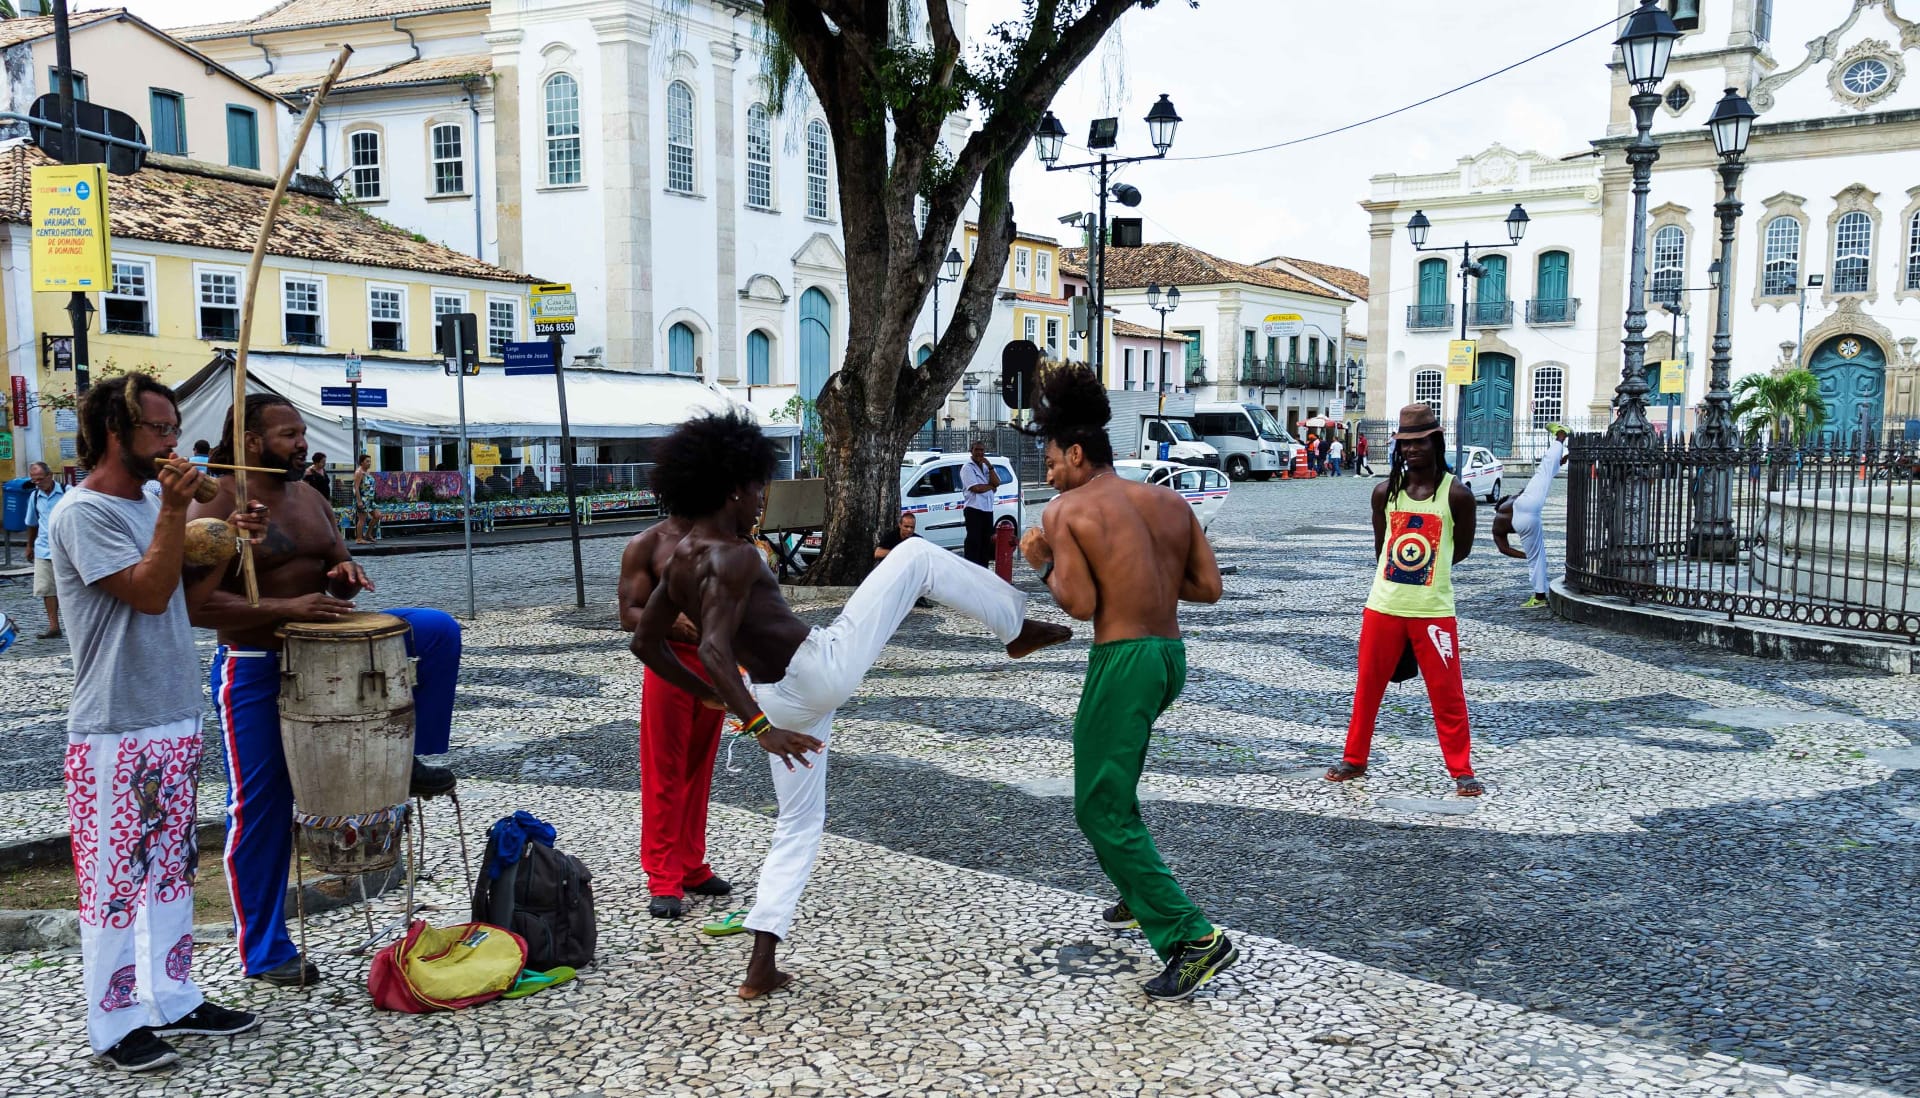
(1787, 405)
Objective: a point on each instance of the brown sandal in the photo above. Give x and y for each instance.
(1468, 786)
(1344, 771)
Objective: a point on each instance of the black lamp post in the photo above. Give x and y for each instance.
(1712, 534)
(950, 270)
(1153, 302)
(1417, 228)
(1162, 121)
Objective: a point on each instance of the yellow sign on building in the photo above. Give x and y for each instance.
(70, 240)
(485, 454)
(1460, 361)
(1673, 375)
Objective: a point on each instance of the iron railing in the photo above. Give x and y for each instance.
(1552, 310)
(1424, 317)
(1024, 451)
(1490, 314)
(1809, 535)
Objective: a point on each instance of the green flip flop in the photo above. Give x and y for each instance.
(530, 982)
(734, 922)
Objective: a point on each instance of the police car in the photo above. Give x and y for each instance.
(1205, 489)
(930, 490)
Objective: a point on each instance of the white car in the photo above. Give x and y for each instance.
(1205, 489)
(930, 491)
(1482, 473)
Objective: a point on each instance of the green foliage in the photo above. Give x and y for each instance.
(64, 400)
(1787, 406)
(799, 409)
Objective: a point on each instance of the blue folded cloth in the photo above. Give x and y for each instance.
(510, 835)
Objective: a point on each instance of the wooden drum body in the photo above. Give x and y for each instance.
(346, 724)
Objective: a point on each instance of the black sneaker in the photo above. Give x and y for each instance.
(712, 886)
(1119, 917)
(210, 1020)
(1193, 964)
(430, 781)
(665, 907)
(140, 1051)
(298, 972)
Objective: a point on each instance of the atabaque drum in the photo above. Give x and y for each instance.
(346, 723)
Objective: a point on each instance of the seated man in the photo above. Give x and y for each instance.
(713, 471)
(304, 575)
(891, 540)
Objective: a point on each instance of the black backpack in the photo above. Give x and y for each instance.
(547, 898)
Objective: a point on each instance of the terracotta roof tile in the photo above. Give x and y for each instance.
(1141, 331)
(309, 13)
(176, 201)
(1351, 281)
(15, 31)
(1041, 299)
(426, 70)
(1171, 264)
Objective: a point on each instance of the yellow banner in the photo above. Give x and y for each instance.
(1460, 361)
(70, 239)
(485, 454)
(1673, 375)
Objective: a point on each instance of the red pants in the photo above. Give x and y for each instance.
(678, 739)
(1436, 647)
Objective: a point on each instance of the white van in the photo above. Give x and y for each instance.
(1183, 443)
(1250, 441)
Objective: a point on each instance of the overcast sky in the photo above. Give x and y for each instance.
(1253, 72)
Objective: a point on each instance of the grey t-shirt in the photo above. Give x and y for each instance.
(131, 670)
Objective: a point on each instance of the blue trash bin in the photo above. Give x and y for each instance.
(15, 492)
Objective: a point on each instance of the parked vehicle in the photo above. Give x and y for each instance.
(930, 490)
(1250, 441)
(1183, 444)
(1482, 473)
(1205, 489)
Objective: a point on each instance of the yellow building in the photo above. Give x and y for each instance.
(336, 280)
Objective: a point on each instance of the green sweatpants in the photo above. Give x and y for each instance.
(1129, 684)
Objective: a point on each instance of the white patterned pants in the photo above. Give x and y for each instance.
(1526, 514)
(130, 802)
(827, 669)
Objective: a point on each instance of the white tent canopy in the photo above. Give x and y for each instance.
(423, 402)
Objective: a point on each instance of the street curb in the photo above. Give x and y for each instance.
(1757, 637)
(398, 547)
(37, 930)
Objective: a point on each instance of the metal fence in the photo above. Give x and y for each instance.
(1026, 452)
(1810, 535)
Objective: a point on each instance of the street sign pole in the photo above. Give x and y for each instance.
(77, 304)
(466, 461)
(557, 342)
(353, 383)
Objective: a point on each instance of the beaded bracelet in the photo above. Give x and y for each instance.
(757, 725)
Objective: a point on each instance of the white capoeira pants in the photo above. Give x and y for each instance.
(130, 802)
(824, 673)
(1526, 514)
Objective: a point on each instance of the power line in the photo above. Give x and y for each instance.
(1409, 106)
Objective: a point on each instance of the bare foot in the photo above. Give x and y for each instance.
(762, 977)
(1035, 635)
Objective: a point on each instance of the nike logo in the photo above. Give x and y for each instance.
(1442, 642)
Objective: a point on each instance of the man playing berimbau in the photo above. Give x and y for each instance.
(1124, 555)
(714, 470)
(305, 575)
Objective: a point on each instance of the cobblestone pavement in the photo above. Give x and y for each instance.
(1693, 873)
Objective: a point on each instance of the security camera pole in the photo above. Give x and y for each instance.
(1162, 121)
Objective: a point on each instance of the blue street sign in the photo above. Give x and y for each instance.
(341, 396)
(531, 357)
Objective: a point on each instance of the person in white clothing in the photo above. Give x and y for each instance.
(1334, 452)
(1521, 515)
(979, 481)
(714, 470)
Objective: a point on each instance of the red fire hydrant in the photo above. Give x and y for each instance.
(1003, 544)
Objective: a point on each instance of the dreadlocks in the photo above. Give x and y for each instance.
(1397, 467)
(110, 410)
(1072, 410)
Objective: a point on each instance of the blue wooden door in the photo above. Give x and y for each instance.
(816, 342)
(1489, 412)
(1853, 383)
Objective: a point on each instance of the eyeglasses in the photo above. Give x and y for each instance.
(164, 430)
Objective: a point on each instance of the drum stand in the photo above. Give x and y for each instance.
(414, 851)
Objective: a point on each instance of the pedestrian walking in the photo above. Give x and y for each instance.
(979, 481)
(133, 726)
(1124, 555)
(1361, 466)
(316, 475)
(43, 496)
(1313, 454)
(1333, 457)
(1521, 515)
(366, 514)
(1422, 526)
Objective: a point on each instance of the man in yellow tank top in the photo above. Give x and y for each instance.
(1423, 523)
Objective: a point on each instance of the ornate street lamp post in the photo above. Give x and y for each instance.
(1645, 47)
(1712, 534)
(1153, 302)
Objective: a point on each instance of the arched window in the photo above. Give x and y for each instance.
(1782, 277)
(1912, 281)
(759, 358)
(562, 95)
(680, 350)
(1669, 265)
(1550, 303)
(1431, 311)
(1852, 253)
(1491, 305)
(680, 137)
(759, 159)
(1428, 388)
(365, 164)
(1549, 395)
(816, 342)
(921, 356)
(817, 169)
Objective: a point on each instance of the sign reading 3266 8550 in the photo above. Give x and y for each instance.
(553, 308)
(70, 244)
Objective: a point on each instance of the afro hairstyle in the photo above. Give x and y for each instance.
(709, 458)
(1072, 410)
